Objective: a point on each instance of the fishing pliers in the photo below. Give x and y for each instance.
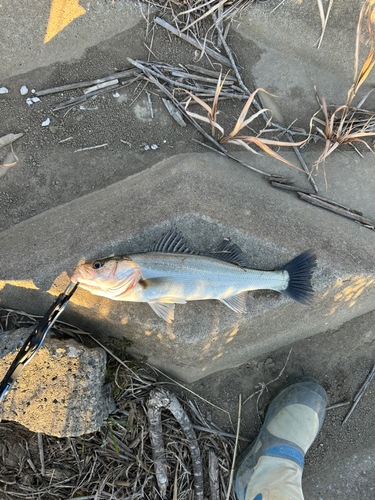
(35, 339)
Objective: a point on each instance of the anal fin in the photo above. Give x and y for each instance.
(236, 302)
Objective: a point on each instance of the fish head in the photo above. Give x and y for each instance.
(108, 277)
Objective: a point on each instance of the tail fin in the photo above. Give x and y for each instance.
(300, 271)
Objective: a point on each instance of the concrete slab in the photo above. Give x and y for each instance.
(206, 198)
(285, 60)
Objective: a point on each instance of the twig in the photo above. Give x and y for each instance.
(360, 393)
(302, 162)
(65, 140)
(337, 405)
(92, 147)
(72, 86)
(277, 6)
(161, 398)
(150, 103)
(264, 386)
(8, 139)
(213, 475)
(176, 103)
(220, 433)
(77, 100)
(337, 210)
(41, 454)
(228, 155)
(212, 53)
(235, 449)
(174, 112)
(101, 86)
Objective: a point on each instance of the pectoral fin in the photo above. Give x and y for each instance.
(236, 302)
(164, 308)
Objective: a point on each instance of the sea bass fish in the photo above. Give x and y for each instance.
(171, 274)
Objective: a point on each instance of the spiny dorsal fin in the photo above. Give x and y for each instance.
(172, 242)
(229, 252)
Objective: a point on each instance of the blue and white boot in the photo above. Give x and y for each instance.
(271, 468)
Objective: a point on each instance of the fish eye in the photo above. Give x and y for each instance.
(97, 264)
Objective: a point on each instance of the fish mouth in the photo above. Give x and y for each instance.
(82, 275)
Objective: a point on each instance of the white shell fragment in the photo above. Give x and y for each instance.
(3, 90)
(24, 90)
(46, 122)
(116, 95)
(30, 100)
(146, 148)
(154, 146)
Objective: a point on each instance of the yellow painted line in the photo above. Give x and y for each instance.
(62, 13)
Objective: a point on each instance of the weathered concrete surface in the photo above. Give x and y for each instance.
(289, 63)
(206, 198)
(61, 392)
(24, 26)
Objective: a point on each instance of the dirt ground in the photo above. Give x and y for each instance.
(340, 464)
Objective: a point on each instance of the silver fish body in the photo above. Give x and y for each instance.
(170, 274)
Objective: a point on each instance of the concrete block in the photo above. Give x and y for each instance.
(61, 391)
(206, 197)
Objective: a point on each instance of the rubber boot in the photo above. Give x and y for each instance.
(271, 467)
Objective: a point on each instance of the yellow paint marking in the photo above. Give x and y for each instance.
(229, 340)
(147, 333)
(352, 303)
(172, 336)
(213, 339)
(325, 293)
(218, 355)
(124, 321)
(159, 336)
(20, 283)
(207, 346)
(370, 282)
(203, 369)
(337, 297)
(62, 13)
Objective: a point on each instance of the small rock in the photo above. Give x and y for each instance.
(35, 99)
(116, 95)
(29, 101)
(269, 362)
(146, 148)
(62, 391)
(33, 91)
(3, 90)
(24, 90)
(154, 146)
(46, 122)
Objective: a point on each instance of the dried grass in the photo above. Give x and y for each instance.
(242, 122)
(348, 124)
(115, 462)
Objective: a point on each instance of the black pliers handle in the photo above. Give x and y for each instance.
(35, 339)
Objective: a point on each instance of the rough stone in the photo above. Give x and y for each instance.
(206, 198)
(61, 391)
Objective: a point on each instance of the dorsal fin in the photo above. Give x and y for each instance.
(229, 252)
(172, 242)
